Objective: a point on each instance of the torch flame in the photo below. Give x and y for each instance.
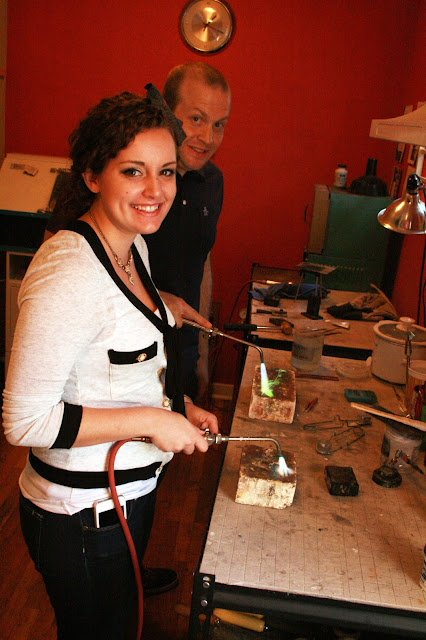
(283, 469)
(264, 382)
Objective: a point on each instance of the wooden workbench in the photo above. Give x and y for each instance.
(343, 561)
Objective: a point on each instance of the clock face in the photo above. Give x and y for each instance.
(206, 25)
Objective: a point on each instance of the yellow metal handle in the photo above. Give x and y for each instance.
(252, 621)
(240, 619)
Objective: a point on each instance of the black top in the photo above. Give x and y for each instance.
(178, 250)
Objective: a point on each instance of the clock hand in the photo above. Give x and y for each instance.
(213, 28)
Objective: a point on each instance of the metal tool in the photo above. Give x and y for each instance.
(311, 404)
(315, 376)
(218, 438)
(275, 312)
(213, 332)
(325, 447)
(407, 460)
(282, 325)
(401, 402)
(337, 423)
(408, 353)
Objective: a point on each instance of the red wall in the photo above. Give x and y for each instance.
(406, 290)
(307, 77)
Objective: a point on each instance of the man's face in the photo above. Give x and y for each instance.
(204, 111)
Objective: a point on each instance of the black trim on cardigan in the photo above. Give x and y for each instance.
(131, 357)
(90, 479)
(85, 230)
(70, 426)
(174, 372)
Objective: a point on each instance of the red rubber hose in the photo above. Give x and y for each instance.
(126, 531)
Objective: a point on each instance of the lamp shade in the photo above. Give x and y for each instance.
(407, 214)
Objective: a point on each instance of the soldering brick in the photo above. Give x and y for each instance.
(260, 482)
(279, 408)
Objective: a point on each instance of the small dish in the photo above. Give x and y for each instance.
(354, 370)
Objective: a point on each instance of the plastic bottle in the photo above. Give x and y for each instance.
(340, 176)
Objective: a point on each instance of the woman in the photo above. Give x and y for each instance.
(88, 368)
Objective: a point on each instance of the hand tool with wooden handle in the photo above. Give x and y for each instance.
(417, 424)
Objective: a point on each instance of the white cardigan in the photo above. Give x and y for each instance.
(71, 314)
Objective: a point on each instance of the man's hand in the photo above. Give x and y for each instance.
(181, 310)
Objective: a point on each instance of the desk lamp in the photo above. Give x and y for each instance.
(407, 214)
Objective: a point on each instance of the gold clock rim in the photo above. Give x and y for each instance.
(184, 35)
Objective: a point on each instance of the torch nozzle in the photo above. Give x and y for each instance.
(213, 332)
(218, 438)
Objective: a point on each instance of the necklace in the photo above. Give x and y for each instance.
(125, 267)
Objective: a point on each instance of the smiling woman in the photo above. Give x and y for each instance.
(134, 191)
(95, 363)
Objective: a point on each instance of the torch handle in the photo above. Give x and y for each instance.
(214, 332)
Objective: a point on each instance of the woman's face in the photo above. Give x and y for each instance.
(136, 188)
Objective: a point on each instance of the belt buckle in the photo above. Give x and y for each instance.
(103, 506)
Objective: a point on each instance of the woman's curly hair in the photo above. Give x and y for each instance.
(108, 127)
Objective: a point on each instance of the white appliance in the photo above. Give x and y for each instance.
(388, 360)
(26, 181)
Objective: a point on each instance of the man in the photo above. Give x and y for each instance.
(179, 251)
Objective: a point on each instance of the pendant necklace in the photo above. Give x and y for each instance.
(125, 267)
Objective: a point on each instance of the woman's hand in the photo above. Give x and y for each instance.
(168, 430)
(201, 418)
(173, 432)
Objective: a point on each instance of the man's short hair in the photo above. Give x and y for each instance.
(201, 70)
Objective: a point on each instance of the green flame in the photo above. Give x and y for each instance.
(266, 385)
(264, 382)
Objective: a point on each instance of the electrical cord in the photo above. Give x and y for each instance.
(126, 531)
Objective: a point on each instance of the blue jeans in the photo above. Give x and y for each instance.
(88, 572)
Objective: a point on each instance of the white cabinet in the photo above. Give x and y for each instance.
(16, 266)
